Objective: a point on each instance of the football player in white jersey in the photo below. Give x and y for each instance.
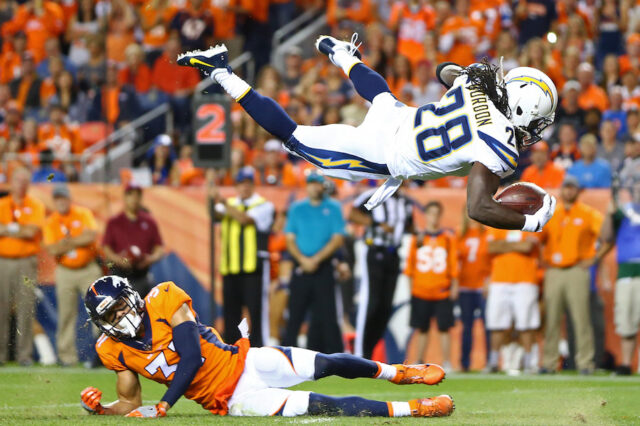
(476, 129)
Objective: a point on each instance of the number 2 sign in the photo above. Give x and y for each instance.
(211, 130)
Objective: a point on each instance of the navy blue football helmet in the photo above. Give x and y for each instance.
(107, 296)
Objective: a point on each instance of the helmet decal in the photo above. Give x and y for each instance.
(538, 82)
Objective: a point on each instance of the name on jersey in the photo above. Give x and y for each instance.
(480, 106)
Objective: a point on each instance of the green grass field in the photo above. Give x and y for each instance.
(42, 395)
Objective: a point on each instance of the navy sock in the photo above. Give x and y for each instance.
(343, 365)
(323, 405)
(268, 114)
(367, 82)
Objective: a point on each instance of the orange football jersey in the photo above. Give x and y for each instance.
(155, 358)
(475, 262)
(514, 267)
(433, 265)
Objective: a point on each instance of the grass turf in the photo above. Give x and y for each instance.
(50, 395)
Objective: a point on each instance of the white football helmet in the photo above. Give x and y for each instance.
(533, 99)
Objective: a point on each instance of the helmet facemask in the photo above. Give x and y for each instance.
(533, 132)
(127, 326)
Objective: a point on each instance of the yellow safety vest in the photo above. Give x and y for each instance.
(239, 242)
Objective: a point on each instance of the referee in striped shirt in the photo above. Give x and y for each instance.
(385, 226)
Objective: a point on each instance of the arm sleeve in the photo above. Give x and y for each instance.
(262, 216)
(186, 341)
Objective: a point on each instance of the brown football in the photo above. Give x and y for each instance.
(523, 197)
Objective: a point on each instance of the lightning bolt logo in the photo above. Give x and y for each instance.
(540, 83)
(329, 163)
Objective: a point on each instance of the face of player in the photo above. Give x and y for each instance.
(432, 217)
(124, 319)
(62, 204)
(569, 193)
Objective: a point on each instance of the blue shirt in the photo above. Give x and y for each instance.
(618, 117)
(42, 174)
(314, 226)
(594, 175)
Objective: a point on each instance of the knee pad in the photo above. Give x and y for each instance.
(267, 359)
(297, 404)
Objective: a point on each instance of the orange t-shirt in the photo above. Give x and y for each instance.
(74, 223)
(10, 67)
(513, 268)
(475, 262)
(156, 35)
(412, 29)
(570, 235)
(224, 19)
(223, 364)
(550, 176)
(462, 52)
(594, 96)
(61, 139)
(181, 77)
(433, 265)
(30, 212)
(360, 12)
(139, 79)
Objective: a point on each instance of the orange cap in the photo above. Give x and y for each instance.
(540, 146)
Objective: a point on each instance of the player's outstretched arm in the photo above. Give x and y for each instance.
(481, 206)
(186, 340)
(129, 396)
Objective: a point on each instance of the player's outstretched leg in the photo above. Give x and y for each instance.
(366, 81)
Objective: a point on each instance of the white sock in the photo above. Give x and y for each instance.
(387, 372)
(345, 61)
(400, 409)
(231, 83)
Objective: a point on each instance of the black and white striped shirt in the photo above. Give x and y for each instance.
(396, 212)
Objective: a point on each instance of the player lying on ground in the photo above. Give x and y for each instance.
(477, 128)
(161, 339)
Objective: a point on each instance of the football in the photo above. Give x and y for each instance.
(523, 197)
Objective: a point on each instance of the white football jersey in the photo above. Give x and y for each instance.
(446, 137)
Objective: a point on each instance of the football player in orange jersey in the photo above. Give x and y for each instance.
(161, 339)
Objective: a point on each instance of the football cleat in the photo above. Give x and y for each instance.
(329, 46)
(438, 406)
(428, 374)
(206, 60)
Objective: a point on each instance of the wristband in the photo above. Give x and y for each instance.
(531, 223)
(13, 228)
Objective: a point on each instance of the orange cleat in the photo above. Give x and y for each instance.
(428, 374)
(438, 406)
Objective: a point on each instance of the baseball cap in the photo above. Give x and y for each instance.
(132, 187)
(314, 176)
(61, 190)
(540, 146)
(245, 173)
(164, 140)
(571, 180)
(570, 85)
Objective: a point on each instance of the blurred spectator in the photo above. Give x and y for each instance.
(59, 136)
(411, 20)
(40, 21)
(591, 172)
(52, 50)
(633, 125)
(70, 235)
(246, 221)
(459, 35)
(385, 227)
(314, 230)
(616, 113)
(609, 148)
(630, 89)
(432, 267)
(253, 19)
(358, 11)
(70, 99)
(136, 72)
(591, 95)
(569, 250)
(194, 24)
(631, 60)
(26, 88)
(12, 124)
(47, 171)
(276, 171)
(155, 18)
(132, 242)
(512, 300)
(506, 48)
(611, 24)
(21, 220)
(281, 12)
(610, 73)
(114, 104)
(592, 119)
(542, 172)
(93, 73)
(161, 157)
(475, 266)
(566, 153)
(569, 110)
(622, 229)
(83, 24)
(121, 20)
(426, 88)
(11, 59)
(631, 165)
(292, 68)
(184, 172)
(534, 18)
